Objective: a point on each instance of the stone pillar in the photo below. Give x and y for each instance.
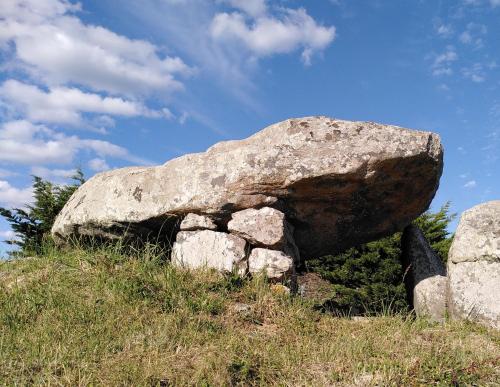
(271, 237)
(425, 277)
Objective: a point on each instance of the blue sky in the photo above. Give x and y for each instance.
(105, 84)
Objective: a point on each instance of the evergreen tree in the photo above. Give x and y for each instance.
(33, 224)
(369, 278)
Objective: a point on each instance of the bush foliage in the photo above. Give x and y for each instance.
(32, 224)
(369, 278)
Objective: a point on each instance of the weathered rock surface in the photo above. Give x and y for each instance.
(193, 222)
(263, 227)
(211, 249)
(478, 234)
(276, 264)
(339, 183)
(474, 266)
(425, 279)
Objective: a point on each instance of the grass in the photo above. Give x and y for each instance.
(104, 318)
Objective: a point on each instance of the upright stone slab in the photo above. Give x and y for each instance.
(425, 277)
(210, 249)
(340, 183)
(474, 266)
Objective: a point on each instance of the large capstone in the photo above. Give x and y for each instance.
(340, 183)
(474, 266)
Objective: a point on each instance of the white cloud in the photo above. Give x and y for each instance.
(472, 35)
(251, 7)
(443, 87)
(444, 30)
(47, 173)
(269, 35)
(65, 105)
(227, 60)
(13, 197)
(493, 3)
(470, 184)
(475, 73)
(22, 142)
(57, 48)
(442, 63)
(183, 118)
(7, 235)
(472, 2)
(98, 165)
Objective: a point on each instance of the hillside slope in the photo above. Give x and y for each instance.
(105, 318)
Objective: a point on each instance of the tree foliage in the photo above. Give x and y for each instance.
(369, 278)
(33, 223)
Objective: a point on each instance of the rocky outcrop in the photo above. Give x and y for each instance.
(425, 277)
(339, 183)
(474, 266)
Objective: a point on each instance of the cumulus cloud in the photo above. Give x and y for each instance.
(58, 174)
(22, 142)
(266, 35)
(12, 197)
(57, 48)
(98, 165)
(64, 105)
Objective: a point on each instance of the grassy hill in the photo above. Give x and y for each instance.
(101, 317)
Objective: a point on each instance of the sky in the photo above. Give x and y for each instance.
(99, 84)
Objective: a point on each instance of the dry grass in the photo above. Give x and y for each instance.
(102, 318)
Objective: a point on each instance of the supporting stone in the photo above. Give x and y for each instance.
(276, 264)
(265, 227)
(274, 252)
(211, 249)
(425, 278)
(193, 222)
(474, 266)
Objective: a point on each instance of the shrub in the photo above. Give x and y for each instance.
(32, 224)
(369, 278)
